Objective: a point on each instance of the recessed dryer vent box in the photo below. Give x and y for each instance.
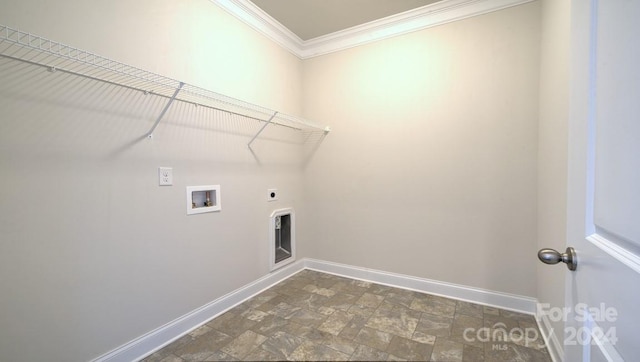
(202, 199)
(282, 238)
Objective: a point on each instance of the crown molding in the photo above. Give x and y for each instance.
(439, 13)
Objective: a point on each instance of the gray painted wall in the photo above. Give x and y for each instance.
(430, 169)
(94, 253)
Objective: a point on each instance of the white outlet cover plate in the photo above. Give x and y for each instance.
(271, 192)
(165, 176)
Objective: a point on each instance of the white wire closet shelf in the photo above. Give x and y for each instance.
(36, 50)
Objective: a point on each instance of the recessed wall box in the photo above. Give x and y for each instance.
(282, 238)
(203, 199)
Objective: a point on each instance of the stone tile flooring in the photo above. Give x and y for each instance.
(313, 316)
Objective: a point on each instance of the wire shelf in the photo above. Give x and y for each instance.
(36, 50)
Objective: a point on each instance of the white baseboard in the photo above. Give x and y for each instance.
(550, 337)
(162, 336)
(512, 302)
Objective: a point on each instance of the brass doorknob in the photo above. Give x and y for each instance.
(551, 256)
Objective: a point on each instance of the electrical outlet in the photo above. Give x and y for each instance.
(272, 194)
(165, 176)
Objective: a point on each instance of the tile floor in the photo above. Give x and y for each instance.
(313, 316)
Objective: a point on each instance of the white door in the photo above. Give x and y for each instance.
(603, 294)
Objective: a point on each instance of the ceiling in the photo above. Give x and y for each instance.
(310, 19)
(310, 28)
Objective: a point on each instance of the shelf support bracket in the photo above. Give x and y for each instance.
(166, 107)
(262, 129)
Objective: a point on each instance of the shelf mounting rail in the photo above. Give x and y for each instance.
(51, 55)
